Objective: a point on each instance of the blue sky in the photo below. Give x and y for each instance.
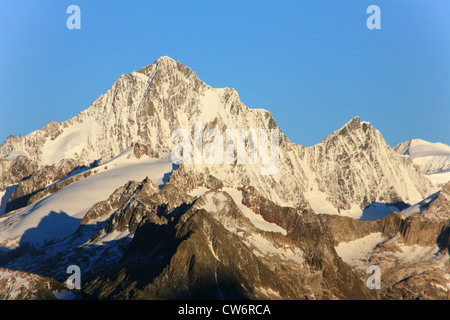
(313, 64)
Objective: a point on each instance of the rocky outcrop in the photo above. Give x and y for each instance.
(345, 229)
(141, 149)
(26, 190)
(419, 230)
(115, 201)
(205, 251)
(439, 208)
(412, 254)
(177, 263)
(19, 285)
(189, 179)
(354, 165)
(205, 247)
(285, 217)
(220, 231)
(11, 172)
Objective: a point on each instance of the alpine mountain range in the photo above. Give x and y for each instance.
(100, 191)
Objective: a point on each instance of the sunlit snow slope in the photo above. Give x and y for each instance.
(59, 214)
(432, 158)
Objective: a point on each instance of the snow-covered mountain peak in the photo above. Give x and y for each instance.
(163, 62)
(355, 160)
(433, 158)
(417, 148)
(354, 123)
(360, 132)
(166, 59)
(352, 167)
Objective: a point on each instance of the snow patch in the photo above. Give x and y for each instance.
(215, 202)
(113, 236)
(16, 153)
(359, 250)
(439, 178)
(432, 158)
(69, 144)
(416, 253)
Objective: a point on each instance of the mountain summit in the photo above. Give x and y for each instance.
(345, 172)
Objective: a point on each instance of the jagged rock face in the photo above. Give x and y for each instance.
(420, 230)
(118, 119)
(12, 172)
(188, 179)
(194, 247)
(411, 272)
(221, 231)
(205, 247)
(345, 229)
(439, 208)
(189, 269)
(285, 217)
(351, 168)
(38, 181)
(210, 250)
(355, 165)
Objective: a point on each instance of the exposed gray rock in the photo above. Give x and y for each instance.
(20, 285)
(40, 179)
(11, 172)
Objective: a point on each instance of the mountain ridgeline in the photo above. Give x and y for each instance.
(101, 191)
(351, 168)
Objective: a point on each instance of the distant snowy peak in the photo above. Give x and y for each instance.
(417, 148)
(432, 158)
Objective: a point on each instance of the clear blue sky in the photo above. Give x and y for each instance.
(313, 64)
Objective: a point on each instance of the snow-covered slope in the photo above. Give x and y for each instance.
(435, 156)
(58, 215)
(432, 158)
